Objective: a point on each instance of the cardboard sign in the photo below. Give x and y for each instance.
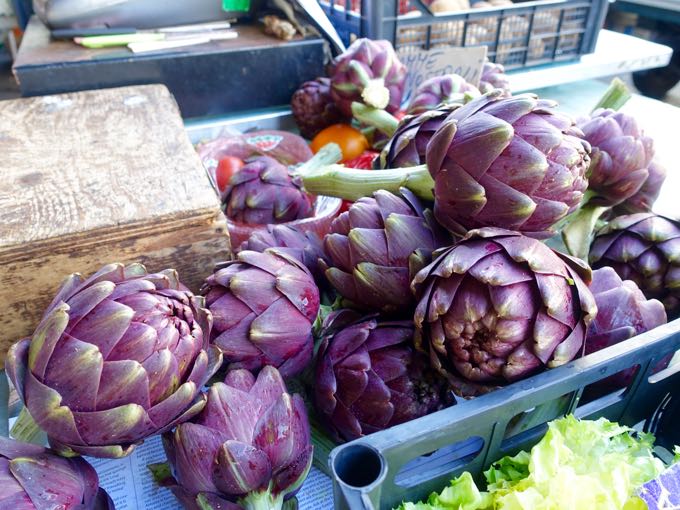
(424, 64)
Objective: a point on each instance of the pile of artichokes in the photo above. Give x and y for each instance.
(443, 279)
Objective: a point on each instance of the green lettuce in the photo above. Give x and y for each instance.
(579, 464)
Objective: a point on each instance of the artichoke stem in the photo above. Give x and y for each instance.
(26, 429)
(616, 95)
(327, 155)
(352, 184)
(375, 117)
(578, 233)
(261, 500)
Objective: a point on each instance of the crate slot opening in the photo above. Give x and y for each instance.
(528, 426)
(359, 465)
(444, 460)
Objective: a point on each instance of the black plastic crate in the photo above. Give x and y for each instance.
(521, 35)
(409, 461)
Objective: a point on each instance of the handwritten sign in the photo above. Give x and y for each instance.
(424, 64)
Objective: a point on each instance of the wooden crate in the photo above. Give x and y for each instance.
(95, 177)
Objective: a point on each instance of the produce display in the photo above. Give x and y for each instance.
(457, 264)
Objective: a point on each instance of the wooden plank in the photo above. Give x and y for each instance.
(97, 177)
(96, 159)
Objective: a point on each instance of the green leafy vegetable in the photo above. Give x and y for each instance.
(578, 464)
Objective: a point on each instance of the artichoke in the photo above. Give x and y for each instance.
(264, 192)
(622, 312)
(620, 156)
(377, 246)
(306, 247)
(369, 377)
(313, 107)
(263, 306)
(494, 77)
(644, 248)
(408, 145)
(644, 199)
(116, 358)
(249, 448)
(512, 163)
(368, 72)
(449, 88)
(499, 306)
(35, 478)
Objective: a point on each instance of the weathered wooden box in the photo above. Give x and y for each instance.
(95, 177)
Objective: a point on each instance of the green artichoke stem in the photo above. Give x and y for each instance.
(26, 429)
(616, 95)
(578, 233)
(261, 500)
(352, 184)
(327, 155)
(375, 117)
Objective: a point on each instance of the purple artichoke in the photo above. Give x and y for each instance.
(408, 145)
(368, 72)
(644, 199)
(644, 248)
(620, 156)
(116, 358)
(35, 478)
(306, 247)
(249, 448)
(377, 246)
(449, 88)
(264, 305)
(494, 77)
(369, 377)
(313, 107)
(499, 306)
(622, 312)
(264, 192)
(512, 163)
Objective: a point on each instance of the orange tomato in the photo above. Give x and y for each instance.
(351, 141)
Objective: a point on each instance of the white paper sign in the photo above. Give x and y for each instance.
(424, 64)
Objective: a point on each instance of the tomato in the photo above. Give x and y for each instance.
(352, 142)
(364, 162)
(227, 167)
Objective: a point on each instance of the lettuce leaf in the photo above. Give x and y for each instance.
(579, 464)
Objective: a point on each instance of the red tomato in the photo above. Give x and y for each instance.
(365, 162)
(352, 142)
(227, 167)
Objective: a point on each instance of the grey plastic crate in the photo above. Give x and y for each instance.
(409, 461)
(525, 34)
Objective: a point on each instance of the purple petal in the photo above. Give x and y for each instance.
(240, 468)
(274, 432)
(195, 453)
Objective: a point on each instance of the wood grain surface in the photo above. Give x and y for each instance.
(95, 177)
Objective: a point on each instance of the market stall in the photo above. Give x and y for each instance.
(421, 282)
